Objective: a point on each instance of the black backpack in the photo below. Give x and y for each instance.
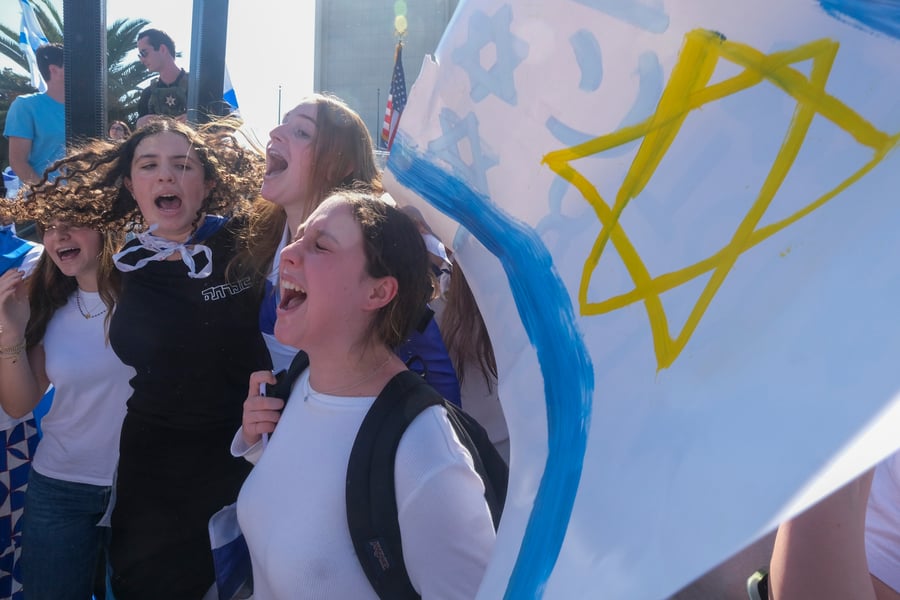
(370, 493)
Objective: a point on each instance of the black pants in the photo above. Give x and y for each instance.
(170, 482)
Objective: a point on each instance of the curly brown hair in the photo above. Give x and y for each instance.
(90, 190)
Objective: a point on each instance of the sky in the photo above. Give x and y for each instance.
(270, 43)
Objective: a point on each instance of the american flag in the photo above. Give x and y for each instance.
(396, 101)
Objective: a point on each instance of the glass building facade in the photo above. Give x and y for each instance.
(355, 41)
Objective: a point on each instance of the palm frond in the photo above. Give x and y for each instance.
(124, 76)
(9, 47)
(49, 19)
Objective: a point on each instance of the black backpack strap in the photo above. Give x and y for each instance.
(298, 365)
(284, 381)
(425, 319)
(371, 495)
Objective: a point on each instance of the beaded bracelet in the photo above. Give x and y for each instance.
(12, 352)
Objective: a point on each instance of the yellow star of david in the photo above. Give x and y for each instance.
(688, 89)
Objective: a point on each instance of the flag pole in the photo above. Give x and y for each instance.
(278, 116)
(396, 100)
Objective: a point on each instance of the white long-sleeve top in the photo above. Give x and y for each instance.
(292, 507)
(883, 523)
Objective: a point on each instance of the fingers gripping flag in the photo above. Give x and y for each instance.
(396, 100)
(31, 36)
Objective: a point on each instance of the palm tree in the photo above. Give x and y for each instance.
(122, 77)
(11, 85)
(51, 24)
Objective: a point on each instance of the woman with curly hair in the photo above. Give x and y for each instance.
(187, 322)
(53, 329)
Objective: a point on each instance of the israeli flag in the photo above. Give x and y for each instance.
(229, 95)
(231, 557)
(31, 36)
(13, 250)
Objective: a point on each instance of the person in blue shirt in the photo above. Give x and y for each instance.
(36, 123)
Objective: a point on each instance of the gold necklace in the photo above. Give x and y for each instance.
(85, 312)
(352, 385)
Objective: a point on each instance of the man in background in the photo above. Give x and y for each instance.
(167, 94)
(36, 123)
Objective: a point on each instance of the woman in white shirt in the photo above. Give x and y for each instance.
(56, 325)
(353, 283)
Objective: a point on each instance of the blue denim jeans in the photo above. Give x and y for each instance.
(62, 546)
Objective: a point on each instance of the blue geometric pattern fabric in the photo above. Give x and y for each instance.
(20, 443)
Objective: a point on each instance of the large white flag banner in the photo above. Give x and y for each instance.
(680, 221)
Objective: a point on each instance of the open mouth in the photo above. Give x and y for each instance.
(275, 163)
(68, 253)
(168, 202)
(292, 295)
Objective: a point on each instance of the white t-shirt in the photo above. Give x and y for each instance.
(883, 523)
(292, 507)
(81, 431)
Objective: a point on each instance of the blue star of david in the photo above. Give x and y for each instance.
(446, 148)
(510, 50)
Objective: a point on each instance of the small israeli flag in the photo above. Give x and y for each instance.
(231, 557)
(229, 95)
(31, 36)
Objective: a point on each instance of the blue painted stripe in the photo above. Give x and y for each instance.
(650, 87)
(566, 134)
(557, 192)
(589, 59)
(646, 14)
(547, 314)
(875, 15)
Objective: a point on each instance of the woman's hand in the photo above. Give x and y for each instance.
(14, 309)
(261, 413)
